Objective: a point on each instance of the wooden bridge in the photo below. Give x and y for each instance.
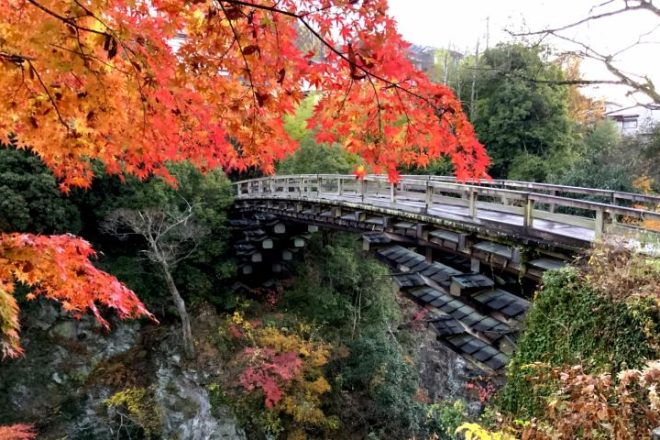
(517, 212)
(470, 254)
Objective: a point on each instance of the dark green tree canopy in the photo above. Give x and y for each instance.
(518, 112)
(30, 200)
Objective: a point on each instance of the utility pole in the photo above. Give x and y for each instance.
(445, 78)
(473, 112)
(487, 32)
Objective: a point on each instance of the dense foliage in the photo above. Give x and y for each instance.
(78, 78)
(115, 82)
(328, 353)
(32, 189)
(523, 120)
(29, 197)
(569, 324)
(615, 161)
(586, 364)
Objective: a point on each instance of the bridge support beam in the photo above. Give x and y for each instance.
(475, 265)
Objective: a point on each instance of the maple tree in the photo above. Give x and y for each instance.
(56, 267)
(284, 365)
(135, 85)
(91, 79)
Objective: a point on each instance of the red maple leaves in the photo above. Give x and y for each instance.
(268, 370)
(137, 85)
(57, 267)
(17, 432)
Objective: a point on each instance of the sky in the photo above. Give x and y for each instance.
(459, 24)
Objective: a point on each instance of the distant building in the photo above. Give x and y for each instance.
(425, 57)
(636, 119)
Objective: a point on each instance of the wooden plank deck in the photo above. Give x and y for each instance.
(462, 214)
(487, 206)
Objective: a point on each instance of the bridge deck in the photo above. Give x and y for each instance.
(462, 214)
(485, 207)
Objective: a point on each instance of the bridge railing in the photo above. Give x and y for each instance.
(527, 208)
(620, 198)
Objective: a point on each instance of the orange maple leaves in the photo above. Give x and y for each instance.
(56, 267)
(135, 85)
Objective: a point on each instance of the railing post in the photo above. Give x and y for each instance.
(429, 195)
(599, 226)
(551, 208)
(472, 203)
(288, 186)
(340, 186)
(363, 188)
(393, 193)
(528, 217)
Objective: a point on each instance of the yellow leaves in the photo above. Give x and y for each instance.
(473, 431)
(270, 348)
(198, 18)
(643, 184)
(319, 386)
(141, 407)
(9, 324)
(237, 318)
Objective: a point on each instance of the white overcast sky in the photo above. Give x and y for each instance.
(459, 24)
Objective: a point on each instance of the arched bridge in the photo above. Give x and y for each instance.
(470, 254)
(515, 212)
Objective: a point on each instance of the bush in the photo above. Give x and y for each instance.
(444, 418)
(136, 405)
(573, 322)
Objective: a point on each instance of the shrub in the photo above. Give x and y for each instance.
(137, 405)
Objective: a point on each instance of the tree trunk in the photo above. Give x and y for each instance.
(188, 342)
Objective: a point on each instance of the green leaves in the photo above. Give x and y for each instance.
(569, 324)
(29, 198)
(517, 112)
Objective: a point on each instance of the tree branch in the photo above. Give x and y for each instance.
(333, 49)
(66, 20)
(636, 5)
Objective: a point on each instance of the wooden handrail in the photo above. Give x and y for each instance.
(424, 189)
(539, 186)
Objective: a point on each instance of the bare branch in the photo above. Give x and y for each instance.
(637, 83)
(172, 236)
(332, 48)
(67, 20)
(629, 5)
